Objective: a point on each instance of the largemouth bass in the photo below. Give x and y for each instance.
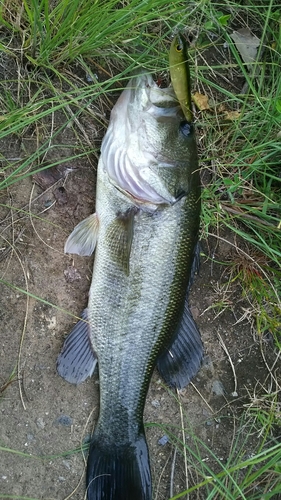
(144, 233)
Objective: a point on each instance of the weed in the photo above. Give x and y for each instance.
(62, 66)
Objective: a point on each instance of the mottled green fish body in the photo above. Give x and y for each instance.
(145, 233)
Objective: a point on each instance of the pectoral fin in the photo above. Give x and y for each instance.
(182, 359)
(77, 360)
(120, 234)
(83, 238)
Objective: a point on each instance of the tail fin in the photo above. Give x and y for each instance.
(118, 472)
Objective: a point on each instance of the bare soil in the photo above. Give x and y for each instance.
(44, 418)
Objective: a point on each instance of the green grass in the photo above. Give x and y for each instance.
(250, 470)
(71, 60)
(242, 193)
(241, 477)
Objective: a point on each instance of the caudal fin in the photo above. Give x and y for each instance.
(117, 472)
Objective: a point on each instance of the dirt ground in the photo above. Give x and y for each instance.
(48, 417)
(45, 419)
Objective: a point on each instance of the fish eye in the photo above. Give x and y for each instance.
(186, 128)
(179, 48)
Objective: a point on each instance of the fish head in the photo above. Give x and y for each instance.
(149, 150)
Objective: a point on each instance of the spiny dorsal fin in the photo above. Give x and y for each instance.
(83, 238)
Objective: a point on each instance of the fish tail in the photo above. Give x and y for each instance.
(118, 472)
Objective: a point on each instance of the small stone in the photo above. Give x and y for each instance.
(218, 388)
(155, 403)
(64, 420)
(163, 440)
(90, 79)
(40, 423)
(51, 322)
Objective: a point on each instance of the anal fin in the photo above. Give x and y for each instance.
(77, 360)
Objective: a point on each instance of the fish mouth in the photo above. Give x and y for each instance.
(157, 101)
